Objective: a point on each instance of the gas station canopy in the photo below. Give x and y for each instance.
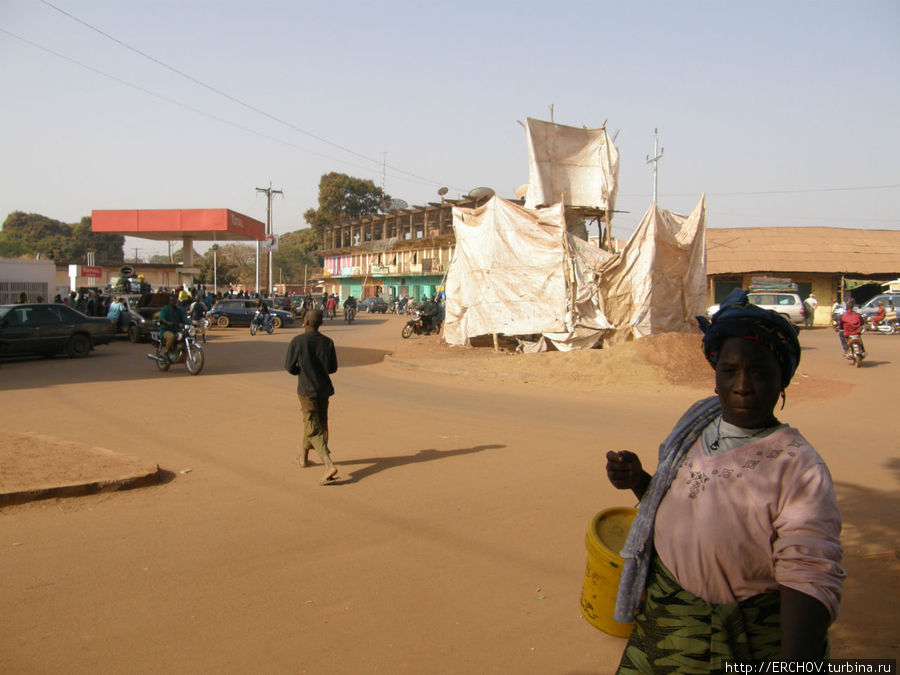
(166, 224)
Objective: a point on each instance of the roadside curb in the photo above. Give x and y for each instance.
(36, 466)
(81, 489)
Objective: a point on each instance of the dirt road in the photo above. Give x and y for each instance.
(454, 541)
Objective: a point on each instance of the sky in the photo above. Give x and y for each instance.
(783, 113)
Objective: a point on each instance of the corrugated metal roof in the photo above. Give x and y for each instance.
(831, 250)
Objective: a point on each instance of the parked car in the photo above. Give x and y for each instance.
(133, 324)
(372, 305)
(789, 305)
(239, 311)
(149, 304)
(868, 308)
(48, 329)
(281, 302)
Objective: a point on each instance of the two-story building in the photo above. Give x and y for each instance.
(403, 253)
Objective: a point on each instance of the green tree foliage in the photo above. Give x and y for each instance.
(235, 264)
(177, 257)
(341, 197)
(32, 234)
(296, 258)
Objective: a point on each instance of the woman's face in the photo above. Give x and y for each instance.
(748, 381)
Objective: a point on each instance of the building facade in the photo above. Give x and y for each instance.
(827, 261)
(404, 253)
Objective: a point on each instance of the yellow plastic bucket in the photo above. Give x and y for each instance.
(605, 538)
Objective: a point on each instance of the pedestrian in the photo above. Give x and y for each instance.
(116, 312)
(330, 305)
(735, 551)
(311, 356)
(809, 307)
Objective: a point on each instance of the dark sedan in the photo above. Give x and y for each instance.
(49, 329)
(373, 305)
(238, 312)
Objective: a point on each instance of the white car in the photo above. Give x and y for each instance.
(789, 305)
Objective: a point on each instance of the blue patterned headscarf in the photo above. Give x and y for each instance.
(738, 318)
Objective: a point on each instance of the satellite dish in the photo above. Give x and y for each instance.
(480, 193)
(443, 191)
(522, 190)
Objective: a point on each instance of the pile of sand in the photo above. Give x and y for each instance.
(666, 359)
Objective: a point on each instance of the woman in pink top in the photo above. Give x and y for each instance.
(736, 541)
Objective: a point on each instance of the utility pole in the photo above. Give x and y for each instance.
(269, 192)
(136, 249)
(657, 155)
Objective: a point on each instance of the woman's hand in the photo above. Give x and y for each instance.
(625, 472)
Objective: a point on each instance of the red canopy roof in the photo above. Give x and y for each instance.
(164, 224)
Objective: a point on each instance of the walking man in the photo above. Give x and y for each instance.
(312, 358)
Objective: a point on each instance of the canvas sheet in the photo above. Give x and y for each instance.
(657, 283)
(518, 272)
(577, 164)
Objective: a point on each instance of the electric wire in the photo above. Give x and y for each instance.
(234, 99)
(196, 110)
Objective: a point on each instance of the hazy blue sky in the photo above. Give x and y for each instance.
(784, 113)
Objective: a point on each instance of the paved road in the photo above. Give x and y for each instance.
(454, 542)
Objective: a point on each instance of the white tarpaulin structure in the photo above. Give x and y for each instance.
(518, 272)
(657, 283)
(578, 165)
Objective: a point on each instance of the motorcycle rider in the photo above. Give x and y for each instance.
(262, 313)
(849, 324)
(878, 316)
(171, 319)
(349, 303)
(429, 311)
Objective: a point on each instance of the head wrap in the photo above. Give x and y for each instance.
(738, 318)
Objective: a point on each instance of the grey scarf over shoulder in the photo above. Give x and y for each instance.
(639, 545)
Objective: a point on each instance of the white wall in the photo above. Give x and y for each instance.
(33, 277)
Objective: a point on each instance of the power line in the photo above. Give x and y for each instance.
(232, 98)
(193, 109)
(774, 192)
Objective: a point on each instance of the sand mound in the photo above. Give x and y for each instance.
(665, 359)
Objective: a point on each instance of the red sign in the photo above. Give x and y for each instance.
(95, 272)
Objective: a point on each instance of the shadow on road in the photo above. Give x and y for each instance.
(871, 540)
(378, 464)
(128, 361)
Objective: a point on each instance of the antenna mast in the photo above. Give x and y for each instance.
(657, 155)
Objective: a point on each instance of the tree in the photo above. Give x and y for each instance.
(296, 255)
(235, 264)
(342, 196)
(31, 234)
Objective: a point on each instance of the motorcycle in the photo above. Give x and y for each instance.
(885, 326)
(185, 350)
(349, 314)
(263, 321)
(856, 351)
(415, 326)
